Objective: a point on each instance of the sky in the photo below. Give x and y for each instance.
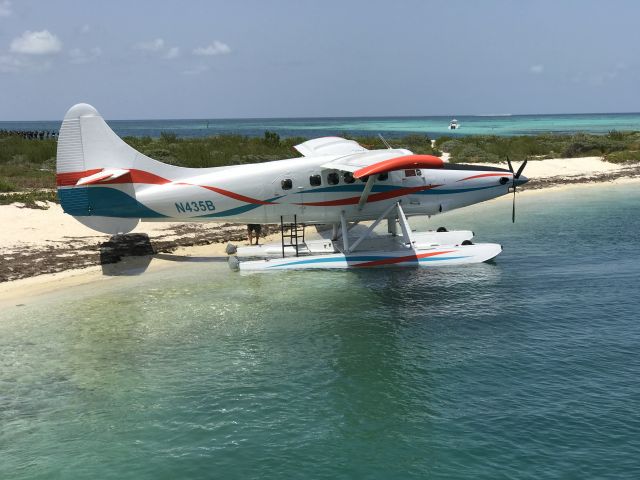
(148, 59)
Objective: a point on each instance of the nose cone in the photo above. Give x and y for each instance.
(521, 180)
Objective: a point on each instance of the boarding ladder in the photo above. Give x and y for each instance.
(292, 234)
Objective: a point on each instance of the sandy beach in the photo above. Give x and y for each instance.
(40, 247)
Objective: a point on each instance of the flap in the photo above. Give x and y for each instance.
(108, 174)
(329, 146)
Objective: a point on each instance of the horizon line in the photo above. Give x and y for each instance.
(328, 117)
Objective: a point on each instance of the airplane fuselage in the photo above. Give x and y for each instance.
(264, 192)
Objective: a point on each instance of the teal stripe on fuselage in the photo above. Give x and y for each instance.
(389, 188)
(356, 187)
(237, 210)
(103, 201)
(438, 191)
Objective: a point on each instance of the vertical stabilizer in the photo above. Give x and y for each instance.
(87, 146)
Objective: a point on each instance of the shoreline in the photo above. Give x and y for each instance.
(46, 246)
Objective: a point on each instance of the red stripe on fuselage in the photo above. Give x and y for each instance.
(485, 175)
(236, 196)
(71, 178)
(374, 197)
(141, 176)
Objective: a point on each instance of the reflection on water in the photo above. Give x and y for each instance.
(527, 364)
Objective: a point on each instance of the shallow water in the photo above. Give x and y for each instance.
(391, 127)
(523, 368)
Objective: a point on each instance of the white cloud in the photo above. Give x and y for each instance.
(537, 69)
(10, 64)
(172, 53)
(158, 47)
(36, 43)
(155, 45)
(197, 70)
(78, 56)
(5, 8)
(21, 63)
(86, 28)
(216, 48)
(601, 77)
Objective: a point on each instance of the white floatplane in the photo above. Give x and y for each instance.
(110, 187)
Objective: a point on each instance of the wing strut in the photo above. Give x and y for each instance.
(404, 225)
(406, 229)
(367, 190)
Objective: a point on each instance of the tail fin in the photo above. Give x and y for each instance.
(89, 151)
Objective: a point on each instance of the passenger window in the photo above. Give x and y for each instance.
(286, 184)
(409, 173)
(348, 177)
(364, 179)
(333, 178)
(315, 180)
(383, 176)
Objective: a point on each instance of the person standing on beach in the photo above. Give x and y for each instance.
(254, 228)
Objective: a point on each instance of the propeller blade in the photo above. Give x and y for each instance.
(513, 209)
(509, 163)
(519, 172)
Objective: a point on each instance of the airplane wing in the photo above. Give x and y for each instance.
(370, 163)
(381, 161)
(329, 146)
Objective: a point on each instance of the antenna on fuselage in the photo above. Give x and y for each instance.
(384, 141)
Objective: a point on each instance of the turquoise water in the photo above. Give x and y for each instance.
(525, 368)
(390, 127)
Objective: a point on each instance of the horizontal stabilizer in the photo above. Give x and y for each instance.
(104, 175)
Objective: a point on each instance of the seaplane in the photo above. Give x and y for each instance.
(337, 185)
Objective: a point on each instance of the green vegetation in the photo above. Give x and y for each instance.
(30, 198)
(619, 146)
(625, 156)
(215, 151)
(28, 166)
(418, 144)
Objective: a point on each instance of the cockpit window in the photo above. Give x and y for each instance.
(333, 178)
(383, 176)
(348, 177)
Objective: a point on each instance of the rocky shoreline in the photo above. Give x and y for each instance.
(81, 252)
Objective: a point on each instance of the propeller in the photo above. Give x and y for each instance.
(516, 175)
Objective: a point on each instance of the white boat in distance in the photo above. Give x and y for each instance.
(454, 125)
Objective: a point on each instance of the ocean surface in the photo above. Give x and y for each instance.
(390, 127)
(525, 368)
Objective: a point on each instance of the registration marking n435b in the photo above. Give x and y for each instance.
(199, 206)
